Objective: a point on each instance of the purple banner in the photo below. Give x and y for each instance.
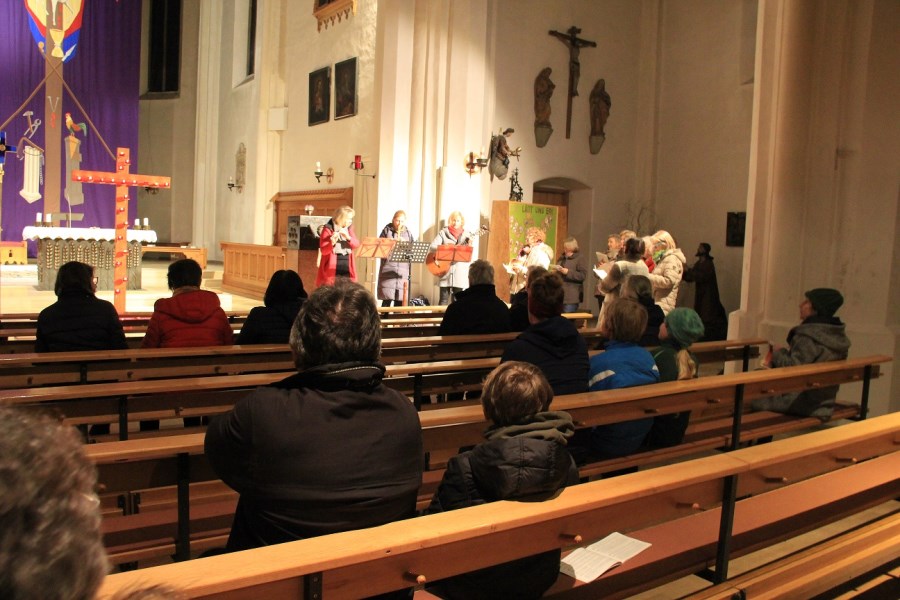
(103, 73)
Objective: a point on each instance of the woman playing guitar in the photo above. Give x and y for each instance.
(454, 276)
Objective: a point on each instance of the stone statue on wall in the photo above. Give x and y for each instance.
(600, 104)
(498, 163)
(543, 89)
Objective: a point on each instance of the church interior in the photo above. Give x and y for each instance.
(768, 129)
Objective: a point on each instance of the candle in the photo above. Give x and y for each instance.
(318, 166)
(39, 218)
(146, 222)
(137, 223)
(48, 218)
(357, 162)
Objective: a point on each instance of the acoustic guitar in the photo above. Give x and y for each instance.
(442, 268)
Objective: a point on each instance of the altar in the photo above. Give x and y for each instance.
(90, 245)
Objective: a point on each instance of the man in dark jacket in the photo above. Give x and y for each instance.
(552, 343)
(477, 309)
(328, 449)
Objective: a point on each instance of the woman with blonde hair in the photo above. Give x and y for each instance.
(336, 245)
(666, 276)
(454, 277)
(393, 274)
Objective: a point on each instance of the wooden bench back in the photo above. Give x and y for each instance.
(397, 555)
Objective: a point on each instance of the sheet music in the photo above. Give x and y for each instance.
(589, 563)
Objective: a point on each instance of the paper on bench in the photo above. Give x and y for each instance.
(589, 563)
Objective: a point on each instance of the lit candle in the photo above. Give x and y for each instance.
(48, 218)
(39, 218)
(137, 223)
(146, 222)
(318, 166)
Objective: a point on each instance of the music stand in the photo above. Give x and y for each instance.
(453, 253)
(375, 247)
(409, 252)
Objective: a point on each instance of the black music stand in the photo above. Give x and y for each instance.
(409, 252)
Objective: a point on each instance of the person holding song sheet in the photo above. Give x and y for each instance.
(454, 276)
(336, 245)
(392, 274)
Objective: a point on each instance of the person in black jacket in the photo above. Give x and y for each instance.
(552, 342)
(272, 323)
(328, 449)
(518, 303)
(477, 309)
(524, 457)
(78, 320)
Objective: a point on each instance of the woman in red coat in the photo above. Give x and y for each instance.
(336, 244)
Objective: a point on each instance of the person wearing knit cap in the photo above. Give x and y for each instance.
(681, 328)
(551, 343)
(820, 337)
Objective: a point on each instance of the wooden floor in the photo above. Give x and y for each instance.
(18, 293)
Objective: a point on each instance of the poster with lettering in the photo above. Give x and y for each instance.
(523, 216)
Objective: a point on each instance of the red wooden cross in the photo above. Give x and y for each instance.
(122, 179)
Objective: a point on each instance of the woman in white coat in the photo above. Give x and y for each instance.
(666, 276)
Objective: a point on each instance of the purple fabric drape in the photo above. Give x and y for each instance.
(104, 74)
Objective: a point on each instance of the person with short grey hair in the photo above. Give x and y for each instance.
(328, 449)
(477, 309)
(51, 546)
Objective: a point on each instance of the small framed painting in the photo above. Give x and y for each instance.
(319, 96)
(734, 228)
(345, 88)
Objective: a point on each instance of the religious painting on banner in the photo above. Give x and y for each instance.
(62, 18)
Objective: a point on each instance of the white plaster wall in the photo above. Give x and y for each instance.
(167, 139)
(705, 107)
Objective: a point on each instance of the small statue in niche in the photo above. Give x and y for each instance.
(515, 190)
(498, 164)
(543, 90)
(600, 105)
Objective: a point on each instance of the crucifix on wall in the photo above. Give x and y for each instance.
(122, 179)
(574, 44)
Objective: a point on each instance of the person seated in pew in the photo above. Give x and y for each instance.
(328, 449)
(190, 318)
(51, 546)
(518, 303)
(675, 362)
(552, 342)
(820, 337)
(272, 323)
(477, 309)
(639, 288)
(623, 364)
(79, 320)
(524, 457)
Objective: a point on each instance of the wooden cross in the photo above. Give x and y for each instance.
(574, 44)
(122, 179)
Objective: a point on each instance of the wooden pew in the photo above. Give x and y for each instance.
(182, 395)
(179, 461)
(785, 487)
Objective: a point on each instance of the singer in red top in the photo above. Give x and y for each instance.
(336, 244)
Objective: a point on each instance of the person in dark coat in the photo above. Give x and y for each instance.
(518, 303)
(78, 320)
(552, 342)
(393, 274)
(573, 271)
(328, 449)
(639, 288)
(524, 456)
(706, 295)
(477, 309)
(272, 323)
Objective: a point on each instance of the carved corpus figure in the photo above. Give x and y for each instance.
(574, 44)
(543, 90)
(600, 105)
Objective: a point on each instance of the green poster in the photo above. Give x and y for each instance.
(523, 216)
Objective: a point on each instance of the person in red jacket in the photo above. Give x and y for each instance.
(336, 245)
(191, 317)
